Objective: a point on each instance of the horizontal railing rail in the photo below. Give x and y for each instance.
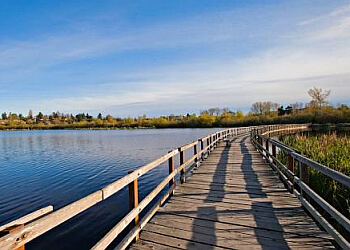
(37, 223)
(268, 147)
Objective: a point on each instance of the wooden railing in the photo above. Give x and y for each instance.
(37, 223)
(299, 185)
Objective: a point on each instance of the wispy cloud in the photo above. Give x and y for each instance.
(276, 63)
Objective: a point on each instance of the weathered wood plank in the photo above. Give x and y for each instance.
(29, 217)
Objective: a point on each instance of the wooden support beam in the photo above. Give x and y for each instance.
(208, 146)
(182, 172)
(290, 163)
(274, 150)
(171, 170)
(202, 149)
(134, 202)
(195, 152)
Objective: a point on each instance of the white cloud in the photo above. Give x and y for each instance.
(318, 56)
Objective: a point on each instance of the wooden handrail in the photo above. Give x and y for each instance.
(289, 177)
(28, 218)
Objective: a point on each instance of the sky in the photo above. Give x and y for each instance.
(156, 57)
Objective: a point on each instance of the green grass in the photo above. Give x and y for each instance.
(331, 150)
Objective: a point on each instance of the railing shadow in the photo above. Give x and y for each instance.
(255, 190)
(216, 186)
(251, 178)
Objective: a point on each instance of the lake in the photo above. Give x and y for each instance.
(57, 167)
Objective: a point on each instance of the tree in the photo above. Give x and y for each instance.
(226, 110)
(297, 106)
(214, 111)
(40, 116)
(4, 116)
(318, 96)
(264, 108)
(99, 116)
(239, 114)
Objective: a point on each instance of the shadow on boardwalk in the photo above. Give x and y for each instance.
(232, 201)
(253, 188)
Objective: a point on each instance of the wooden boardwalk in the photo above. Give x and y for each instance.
(233, 200)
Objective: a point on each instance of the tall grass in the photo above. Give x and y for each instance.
(331, 150)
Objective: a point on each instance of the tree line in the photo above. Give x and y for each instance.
(318, 110)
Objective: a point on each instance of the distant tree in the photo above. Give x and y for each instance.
(109, 118)
(239, 114)
(80, 117)
(99, 116)
(204, 112)
(281, 111)
(214, 111)
(296, 106)
(288, 110)
(257, 108)
(264, 108)
(318, 96)
(88, 117)
(20, 116)
(4, 116)
(172, 117)
(40, 116)
(226, 110)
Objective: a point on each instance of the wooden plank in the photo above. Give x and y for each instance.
(147, 245)
(229, 233)
(176, 242)
(29, 217)
(206, 226)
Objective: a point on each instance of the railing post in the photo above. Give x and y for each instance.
(195, 152)
(134, 201)
(274, 150)
(267, 148)
(290, 163)
(208, 146)
(304, 173)
(182, 160)
(202, 149)
(210, 141)
(290, 166)
(171, 170)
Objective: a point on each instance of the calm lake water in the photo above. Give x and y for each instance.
(41, 168)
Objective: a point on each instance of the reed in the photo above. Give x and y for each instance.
(331, 150)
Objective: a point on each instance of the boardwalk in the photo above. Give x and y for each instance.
(233, 200)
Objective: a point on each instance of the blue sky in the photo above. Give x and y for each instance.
(160, 57)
